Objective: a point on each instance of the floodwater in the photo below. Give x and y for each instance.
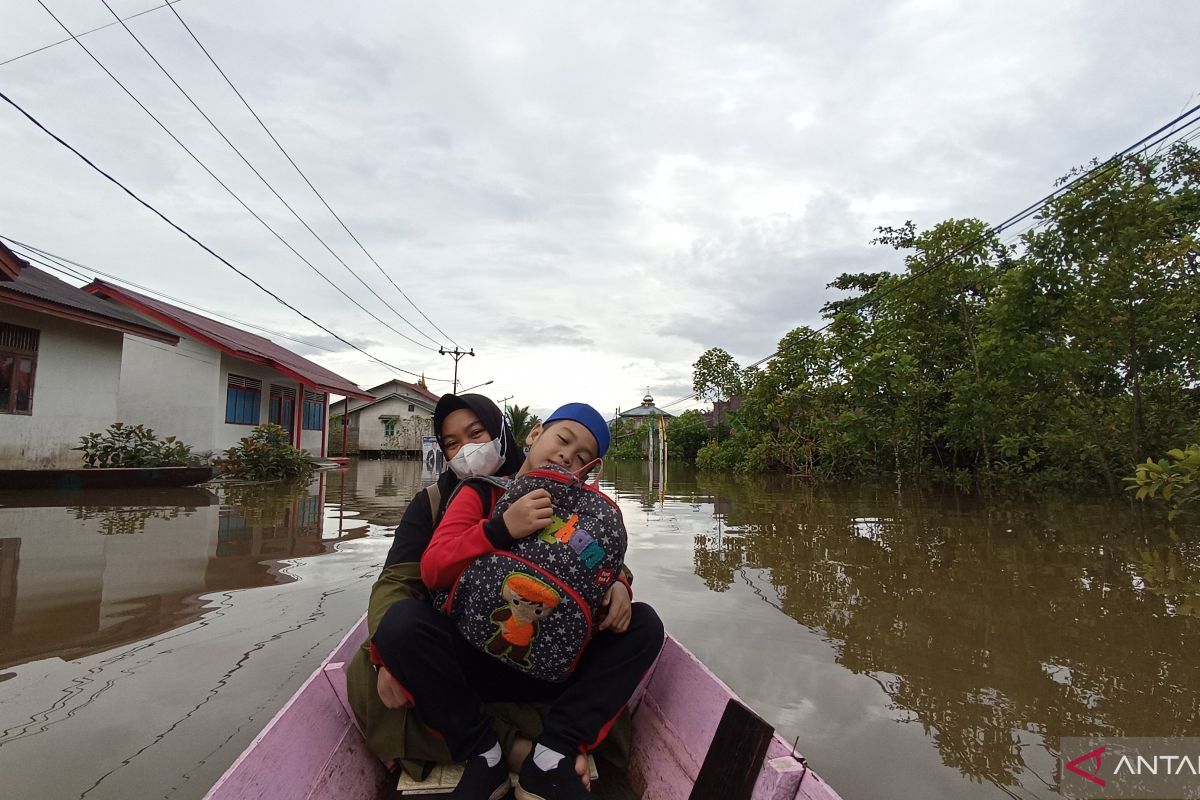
(919, 646)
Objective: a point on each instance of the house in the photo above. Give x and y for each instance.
(392, 422)
(60, 364)
(217, 382)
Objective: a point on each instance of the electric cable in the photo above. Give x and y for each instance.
(201, 244)
(223, 185)
(73, 269)
(85, 33)
(301, 173)
(258, 174)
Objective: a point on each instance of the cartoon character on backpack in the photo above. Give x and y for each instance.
(528, 601)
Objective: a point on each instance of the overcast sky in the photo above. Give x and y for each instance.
(588, 194)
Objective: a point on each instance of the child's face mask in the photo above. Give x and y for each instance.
(478, 459)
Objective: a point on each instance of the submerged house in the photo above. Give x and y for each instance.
(390, 423)
(61, 354)
(216, 382)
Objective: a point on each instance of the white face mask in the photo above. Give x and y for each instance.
(478, 459)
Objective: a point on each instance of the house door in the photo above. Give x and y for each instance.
(282, 409)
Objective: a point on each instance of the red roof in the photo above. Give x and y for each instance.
(233, 341)
(416, 388)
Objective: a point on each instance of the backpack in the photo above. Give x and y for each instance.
(534, 606)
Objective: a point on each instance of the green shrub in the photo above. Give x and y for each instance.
(1175, 481)
(266, 455)
(132, 446)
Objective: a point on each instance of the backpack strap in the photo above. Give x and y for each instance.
(435, 501)
(482, 484)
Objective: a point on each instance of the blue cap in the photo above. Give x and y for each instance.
(586, 416)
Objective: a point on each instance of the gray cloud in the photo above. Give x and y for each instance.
(641, 181)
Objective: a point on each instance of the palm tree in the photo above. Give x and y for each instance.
(521, 421)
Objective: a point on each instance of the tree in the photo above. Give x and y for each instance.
(716, 376)
(520, 421)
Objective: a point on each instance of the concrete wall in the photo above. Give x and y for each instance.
(172, 389)
(74, 392)
(227, 435)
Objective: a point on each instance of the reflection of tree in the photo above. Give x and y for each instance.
(122, 520)
(268, 505)
(1055, 622)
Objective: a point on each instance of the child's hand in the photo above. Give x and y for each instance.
(529, 514)
(389, 690)
(616, 609)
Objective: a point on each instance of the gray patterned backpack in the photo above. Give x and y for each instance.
(534, 607)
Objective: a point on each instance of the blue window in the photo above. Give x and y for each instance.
(314, 411)
(242, 400)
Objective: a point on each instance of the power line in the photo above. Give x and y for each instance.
(299, 171)
(60, 264)
(167, 4)
(260, 176)
(1156, 137)
(199, 243)
(232, 194)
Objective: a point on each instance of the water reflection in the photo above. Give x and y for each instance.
(82, 572)
(992, 629)
(379, 490)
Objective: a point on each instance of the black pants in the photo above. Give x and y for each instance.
(448, 679)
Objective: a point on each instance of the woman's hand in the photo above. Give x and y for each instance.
(616, 609)
(389, 690)
(529, 514)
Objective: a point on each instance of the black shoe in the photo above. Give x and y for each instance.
(481, 782)
(560, 783)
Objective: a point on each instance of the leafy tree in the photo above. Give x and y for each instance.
(520, 421)
(266, 455)
(716, 376)
(1056, 361)
(686, 434)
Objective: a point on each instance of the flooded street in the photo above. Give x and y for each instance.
(918, 645)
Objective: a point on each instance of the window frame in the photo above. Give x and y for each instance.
(252, 388)
(18, 354)
(314, 404)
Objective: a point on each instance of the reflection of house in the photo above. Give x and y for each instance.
(219, 381)
(60, 364)
(81, 579)
(391, 422)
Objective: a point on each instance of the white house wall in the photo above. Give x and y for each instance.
(74, 392)
(411, 425)
(227, 434)
(172, 389)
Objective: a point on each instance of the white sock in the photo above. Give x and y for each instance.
(546, 759)
(492, 756)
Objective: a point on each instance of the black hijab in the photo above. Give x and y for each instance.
(492, 418)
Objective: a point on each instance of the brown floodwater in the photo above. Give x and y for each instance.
(917, 645)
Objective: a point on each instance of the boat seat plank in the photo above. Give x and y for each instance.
(735, 756)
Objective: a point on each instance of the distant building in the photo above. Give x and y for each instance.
(217, 382)
(721, 410)
(390, 423)
(60, 364)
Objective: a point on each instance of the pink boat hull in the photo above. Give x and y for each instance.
(312, 748)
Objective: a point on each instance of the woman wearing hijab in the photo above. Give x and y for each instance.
(475, 440)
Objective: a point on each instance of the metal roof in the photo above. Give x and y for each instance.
(233, 341)
(35, 289)
(646, 409)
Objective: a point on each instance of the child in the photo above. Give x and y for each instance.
(448, 677)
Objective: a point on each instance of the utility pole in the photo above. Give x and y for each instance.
(457, 354)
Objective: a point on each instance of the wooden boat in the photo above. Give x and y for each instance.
(692, 738)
